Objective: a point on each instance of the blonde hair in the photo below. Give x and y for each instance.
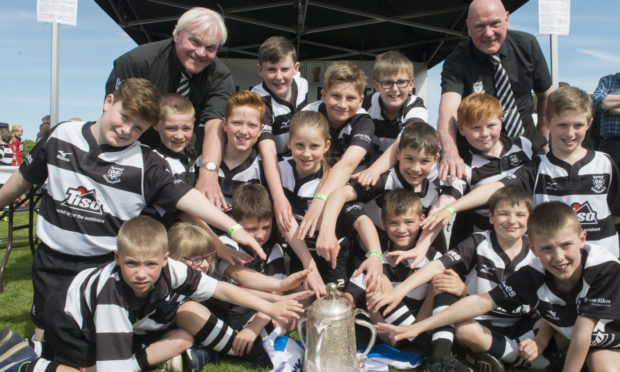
(400, 201)
(344, 72)
(550, 217)
(568, 98)
(313, 120)
(142, 234)
(391, 63)
(174, 103)
(187, 240)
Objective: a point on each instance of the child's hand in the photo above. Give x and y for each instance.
(315, 283)
(327, 246)
(242, 237)
(397, 333)
(373, 268)
(294, 280)
(439, 218)
(311, 219)
(243, 342)
(297, 296)
(368, 176)
(417, 254)
(285, 311)
(389, 299)
(208, 184)
(449, 281)
(529, 350)
(231, 255)
(283, 213)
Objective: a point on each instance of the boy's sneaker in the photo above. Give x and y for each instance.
(14, 351)
(485, 362)
(448, 364)
(174, 364)
(195, 359)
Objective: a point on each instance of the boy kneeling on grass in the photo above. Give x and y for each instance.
(573, 286)
(120, 316)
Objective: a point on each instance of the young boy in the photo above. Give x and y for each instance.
(351, 131)
(418, 150)
(120, 316)
(483, 260)
(490, 156)
(572, 285)
(6, 153)
(401, 216)
(283, 89)
(393, 102)
(586, 180)
(99, 176)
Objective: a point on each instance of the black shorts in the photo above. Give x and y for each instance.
(50, 268)
(64, 336)
(520, 328)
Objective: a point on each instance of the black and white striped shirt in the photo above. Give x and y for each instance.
(596, 295)
(93, 189)
(109, 315)
(6, 154)
(278, 112)
(590, 187)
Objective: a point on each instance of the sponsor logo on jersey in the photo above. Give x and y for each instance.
(598, 184)
(513, 159)
(507, 289)
(114, 174)
(551, 186)
(477, 87)
(63, 155)
(585, 214)
(83, 200)
(551, 314)
(454, 256)
(484, 269)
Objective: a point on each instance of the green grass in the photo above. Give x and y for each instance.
(16, 299)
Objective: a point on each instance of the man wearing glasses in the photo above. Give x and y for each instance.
(503, 63)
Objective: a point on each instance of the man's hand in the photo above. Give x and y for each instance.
(242, 343)
(373, 269)
(449, 282)
(242, 237)
(451, 165)
(209, 185)
(231, 255)
(328, 247)
(294, 280)
(283, 213)
(311, 219)
(368, 176)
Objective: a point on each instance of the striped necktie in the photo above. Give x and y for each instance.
(183, 88)
(503, 92)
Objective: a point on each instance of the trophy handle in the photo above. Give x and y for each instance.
(373, 333)
(300, 328)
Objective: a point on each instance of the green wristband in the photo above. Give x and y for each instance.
(451, 209)
(320, 196)
(375, 253)
(234, 228)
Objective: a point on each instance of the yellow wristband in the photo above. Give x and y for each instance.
(451, 209)
(375, 253)
(234, 228)
(320, 196)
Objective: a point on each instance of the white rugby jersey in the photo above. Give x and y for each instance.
(358, 131)
(483, 264)
(6, 154)
(109, 315)
(596, 295)
(93, 189)
(278, 112)
(590, 187)
(373, 196)
(386, 130)
(481, 169)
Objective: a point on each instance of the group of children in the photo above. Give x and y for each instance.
(11, 145)
(528, 276)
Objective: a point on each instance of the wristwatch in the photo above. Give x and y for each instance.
(210, 166)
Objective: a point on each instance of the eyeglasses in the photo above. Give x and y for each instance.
(199, 259)
(388, 84)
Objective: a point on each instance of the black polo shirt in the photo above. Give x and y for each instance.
(467, 70)
(158, 63)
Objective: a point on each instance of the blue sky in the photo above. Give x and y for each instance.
(88, 50)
